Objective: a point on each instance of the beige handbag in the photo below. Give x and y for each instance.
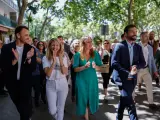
(104, 68)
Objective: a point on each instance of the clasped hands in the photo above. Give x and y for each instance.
(87, 65)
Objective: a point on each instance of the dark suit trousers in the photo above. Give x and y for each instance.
(36, 86)
(126, 101)
(43, 88)
(2, 82)
(20, 94)
(106, 77)
(73, 78)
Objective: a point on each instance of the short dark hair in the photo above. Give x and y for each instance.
(19, 29)
(35, 39)
(126, 29)
(152, 32)
(122, 35)
(60, 36)
(142, 33)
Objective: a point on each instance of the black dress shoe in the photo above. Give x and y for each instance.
(139, 87)
(3, 94)
(73, 99)
(37, 104)
(5, 91)
(44, 101)
(153, 106)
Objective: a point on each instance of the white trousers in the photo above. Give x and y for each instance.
(56, 91)
(144, 75)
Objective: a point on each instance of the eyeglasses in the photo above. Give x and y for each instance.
(106, 43)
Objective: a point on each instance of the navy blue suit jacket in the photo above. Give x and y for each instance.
(120, 63)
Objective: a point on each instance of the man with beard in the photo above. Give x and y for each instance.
(151, 38)
(123, 37)
(18, 63)
(127, 58)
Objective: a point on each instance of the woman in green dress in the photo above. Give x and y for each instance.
(85, 63)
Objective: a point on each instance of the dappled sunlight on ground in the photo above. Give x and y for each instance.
(107, 110)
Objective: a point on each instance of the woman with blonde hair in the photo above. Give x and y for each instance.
(86, 84)
(56, 67)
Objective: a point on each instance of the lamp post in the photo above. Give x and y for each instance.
(105, 29)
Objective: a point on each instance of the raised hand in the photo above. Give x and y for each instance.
(30, 53)
(15, 52)
(134, 70)
(54, 55)
(93, 64)
(61, 54)
(87, 65)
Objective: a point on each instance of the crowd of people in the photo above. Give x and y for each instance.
(51, 68)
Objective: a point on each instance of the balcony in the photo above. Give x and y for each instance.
(7, 22)
(11, 4)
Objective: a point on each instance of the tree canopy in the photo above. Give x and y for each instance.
(79, 15)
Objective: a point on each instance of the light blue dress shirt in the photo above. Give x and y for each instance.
(131, 52)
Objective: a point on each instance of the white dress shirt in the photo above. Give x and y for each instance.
(145, 53)
(20, 52)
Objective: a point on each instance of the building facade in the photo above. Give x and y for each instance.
(8, 19)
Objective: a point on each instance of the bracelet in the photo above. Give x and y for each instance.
(52, 67)
(62, 65)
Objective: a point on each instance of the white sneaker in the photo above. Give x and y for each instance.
(105, 97)
(108, 98)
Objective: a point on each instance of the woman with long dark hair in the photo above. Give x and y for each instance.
(42, 52)
(105, 54)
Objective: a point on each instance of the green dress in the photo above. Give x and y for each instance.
(86, 85)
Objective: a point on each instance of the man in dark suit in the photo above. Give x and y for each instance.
(3, 92)
(66, 46)
(18, 62)
(127, 58)
(151, 38)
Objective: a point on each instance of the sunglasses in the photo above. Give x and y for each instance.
(106, 43)
(40, 44)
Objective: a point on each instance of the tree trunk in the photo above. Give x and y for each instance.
(29, 19)
(22, 11)
(43, 25)
(130, 12)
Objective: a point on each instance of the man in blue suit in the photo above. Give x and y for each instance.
(127, 58)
